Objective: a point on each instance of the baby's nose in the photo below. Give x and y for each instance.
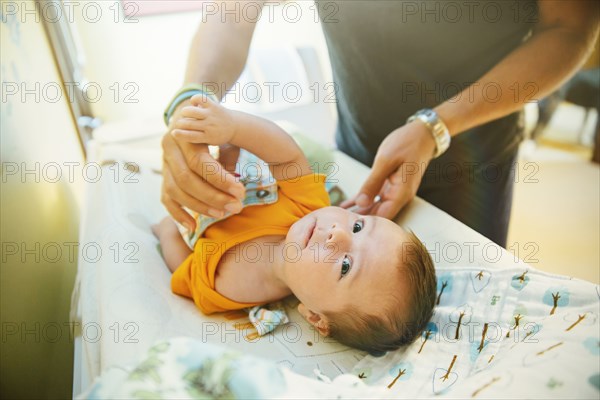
(338, 235)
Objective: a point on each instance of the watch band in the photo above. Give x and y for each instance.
(436, 126)
(183, 94)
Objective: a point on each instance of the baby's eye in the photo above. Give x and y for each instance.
(358, 225)
(346, 265)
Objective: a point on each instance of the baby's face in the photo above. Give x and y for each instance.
(337, 259)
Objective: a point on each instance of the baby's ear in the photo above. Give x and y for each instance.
(318, 321)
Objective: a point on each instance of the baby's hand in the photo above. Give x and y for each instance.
(205, 122)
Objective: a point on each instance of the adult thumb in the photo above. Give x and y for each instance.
(373, 185)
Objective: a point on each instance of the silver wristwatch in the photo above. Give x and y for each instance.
(437, 127)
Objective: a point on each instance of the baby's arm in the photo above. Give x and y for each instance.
(174, 249)
(211, 123)
(272, 144)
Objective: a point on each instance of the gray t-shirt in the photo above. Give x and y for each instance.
(392, 58)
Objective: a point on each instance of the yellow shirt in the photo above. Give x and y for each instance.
(195, 277)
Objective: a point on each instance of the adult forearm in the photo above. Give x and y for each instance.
(218, 52)
(530, 72)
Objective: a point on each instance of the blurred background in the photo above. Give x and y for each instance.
(104, 70)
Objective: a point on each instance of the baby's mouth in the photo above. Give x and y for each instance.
(310, 231)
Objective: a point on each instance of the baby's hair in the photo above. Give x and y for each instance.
(403, 319)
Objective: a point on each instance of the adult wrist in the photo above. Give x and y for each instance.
(184, 93)
(436, 127)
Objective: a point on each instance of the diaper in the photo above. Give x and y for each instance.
(261, 189)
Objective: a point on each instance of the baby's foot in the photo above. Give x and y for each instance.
(155, 229)
(165, 225)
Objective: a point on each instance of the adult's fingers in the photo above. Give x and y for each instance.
(187, 187)
(395, 195)
(204, 165)
(181, 198)
(387, 208)
(173, 207)
(351, 205)
(351, 202)
(382, 169)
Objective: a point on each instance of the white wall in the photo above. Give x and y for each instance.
(150, 53)
(41, 188)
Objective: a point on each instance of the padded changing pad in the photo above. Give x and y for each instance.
(501, 328)
(123, 302)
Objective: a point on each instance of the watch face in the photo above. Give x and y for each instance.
(438, 129)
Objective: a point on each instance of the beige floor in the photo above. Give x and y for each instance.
(555, 223)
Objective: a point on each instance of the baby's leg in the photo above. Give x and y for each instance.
(174, 249)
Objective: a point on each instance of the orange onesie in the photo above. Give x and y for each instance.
(195, 277)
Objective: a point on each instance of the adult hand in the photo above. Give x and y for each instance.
(397, 171)
(192, 178)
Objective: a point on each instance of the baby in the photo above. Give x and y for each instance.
(362, 280)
